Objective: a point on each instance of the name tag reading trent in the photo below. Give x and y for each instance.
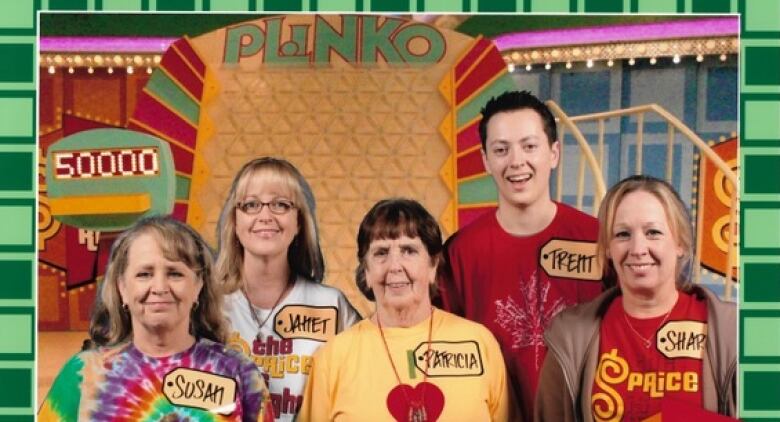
(201, 390)
(570, 259)
(306, 322)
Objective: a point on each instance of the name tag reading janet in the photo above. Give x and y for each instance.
(201, 390)
(306, 322)
(570, 259)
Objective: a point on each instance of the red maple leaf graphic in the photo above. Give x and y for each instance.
(527, 321)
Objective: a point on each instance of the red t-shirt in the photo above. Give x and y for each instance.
(515, 285)
(632, 378)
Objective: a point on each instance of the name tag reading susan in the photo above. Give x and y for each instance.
(306, 322)
(570, 259)
(201, 390)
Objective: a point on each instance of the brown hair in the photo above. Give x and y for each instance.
(391, 219)
(111, 324)
(676, 214)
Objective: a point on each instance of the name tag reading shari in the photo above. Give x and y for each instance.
(682, 339)
(306, 322)
(449, 359)
(201, 390)
(570, 259)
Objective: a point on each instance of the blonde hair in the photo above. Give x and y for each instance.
(111, 324)
(676, 214)
(303, 256)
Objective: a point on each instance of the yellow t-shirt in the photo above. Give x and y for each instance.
(352, 379)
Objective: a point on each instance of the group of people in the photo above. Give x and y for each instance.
(536, 311)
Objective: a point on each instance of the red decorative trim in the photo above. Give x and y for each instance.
(178, 69)
(463, 66)
(180, 211)
(160, 118)
(490, 65)
(469, 137)
(189, 53)
(470, 164)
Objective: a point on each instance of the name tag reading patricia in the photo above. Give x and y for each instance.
(449, 359)
(682, 339)
(570, 259)
(201, 390)
(306, 322)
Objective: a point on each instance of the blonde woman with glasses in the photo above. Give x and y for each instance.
(271, 267)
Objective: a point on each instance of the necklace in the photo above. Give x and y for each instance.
(646, 341)
(252, 310)
(417, 412)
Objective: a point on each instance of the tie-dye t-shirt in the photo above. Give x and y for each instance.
(207, 382)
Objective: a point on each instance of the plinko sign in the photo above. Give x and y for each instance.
(367, 107)
(354, 39)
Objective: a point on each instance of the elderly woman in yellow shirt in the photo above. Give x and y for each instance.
(409, 361)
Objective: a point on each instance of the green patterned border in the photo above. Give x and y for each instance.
(760, 160)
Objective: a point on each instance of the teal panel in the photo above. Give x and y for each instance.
(488, 6)
(602, 6)
(129, 5)
(763, 285)
(761, 228)
(762, 65)
(550, 6)
(16, 389)
(16, 171)
(19, 327)
(163, 87)
(16, 117)
(470, 110)
(229, 5)
(761, 336)
(282, 5)
(710, 6)
(760, 120)
(16, 237)
(762, 15)
(18, 279)
(764, 398)
(17, 14)
(335, 5)
(389, 5)
(477, 191)
(182, 187)
(68, 4)
(175, 5)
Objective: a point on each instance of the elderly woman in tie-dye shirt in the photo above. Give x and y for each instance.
(158, 326)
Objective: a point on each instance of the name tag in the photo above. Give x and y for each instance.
(682, 339)
(570, 259)
(201, 390)
(306, 322)
(449, 359)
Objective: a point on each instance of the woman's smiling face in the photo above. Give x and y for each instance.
(399, 272)
(643, 248)
(266, 233)
(159, 293)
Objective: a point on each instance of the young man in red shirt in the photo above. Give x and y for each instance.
(514, 269)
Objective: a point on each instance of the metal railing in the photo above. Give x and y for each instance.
(596, 161)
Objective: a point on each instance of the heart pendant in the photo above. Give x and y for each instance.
(423, 402)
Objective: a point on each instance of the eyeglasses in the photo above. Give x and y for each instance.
(276, 206)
